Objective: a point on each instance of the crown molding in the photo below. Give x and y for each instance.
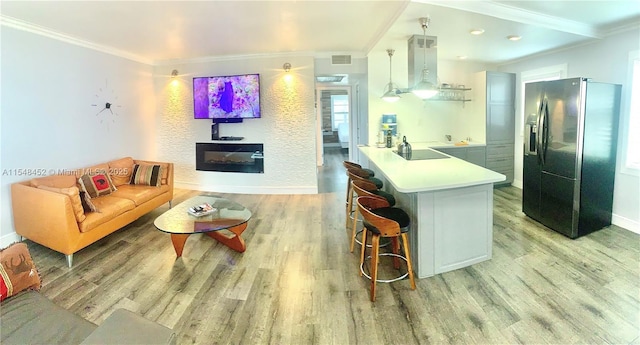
(42, 31)
(621, 27)
(547, 52)
(205, 59)
(497, 10)
(568, 47)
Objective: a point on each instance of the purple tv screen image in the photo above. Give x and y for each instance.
(224, 97)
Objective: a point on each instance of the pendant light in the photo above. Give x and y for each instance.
(391, 90)
(425, 89)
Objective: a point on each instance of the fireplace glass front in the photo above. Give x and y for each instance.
(245, 158)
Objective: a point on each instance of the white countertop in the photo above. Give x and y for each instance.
(428, 175)
(443, 144)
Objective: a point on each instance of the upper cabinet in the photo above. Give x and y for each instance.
(498, 96)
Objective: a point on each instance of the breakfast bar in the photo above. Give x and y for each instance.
(449, 202)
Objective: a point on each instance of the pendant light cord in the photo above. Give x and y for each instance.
(424, 32)
(390, 52)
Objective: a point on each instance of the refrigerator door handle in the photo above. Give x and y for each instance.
(545, 130)
(540, 133)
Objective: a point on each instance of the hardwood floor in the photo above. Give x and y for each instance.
(297, 283)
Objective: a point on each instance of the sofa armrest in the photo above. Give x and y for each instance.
(44, 217)
(124, 327)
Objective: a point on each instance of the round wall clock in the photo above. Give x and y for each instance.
(105, 101)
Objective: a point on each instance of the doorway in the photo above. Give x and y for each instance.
(333, 108)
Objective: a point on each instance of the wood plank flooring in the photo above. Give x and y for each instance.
(297, 283)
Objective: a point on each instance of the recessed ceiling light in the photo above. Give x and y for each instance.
(513, 38)
(462, 57)
(477, 31)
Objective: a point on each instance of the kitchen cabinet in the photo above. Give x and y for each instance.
(497, 92)
(449, 202)
(475, 155)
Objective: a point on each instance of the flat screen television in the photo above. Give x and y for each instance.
(233, 97)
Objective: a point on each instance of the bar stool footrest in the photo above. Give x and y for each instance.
(385, 280)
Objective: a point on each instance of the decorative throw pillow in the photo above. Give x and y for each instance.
(74, 195)
(17, 271)
(96, 184)
(146, 174)
(87, 205)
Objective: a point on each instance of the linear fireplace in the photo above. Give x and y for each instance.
(245, 158)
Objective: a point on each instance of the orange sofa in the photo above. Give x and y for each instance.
(43, 214)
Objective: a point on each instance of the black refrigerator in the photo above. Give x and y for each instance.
(570, 140)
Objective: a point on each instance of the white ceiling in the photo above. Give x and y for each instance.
(168, 30)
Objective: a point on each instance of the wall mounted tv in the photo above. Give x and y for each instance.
(227, 98)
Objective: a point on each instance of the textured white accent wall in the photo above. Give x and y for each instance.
(48, 121)
(287, 126)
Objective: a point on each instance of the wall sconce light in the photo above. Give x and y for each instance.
(286, 67)
(174, 73)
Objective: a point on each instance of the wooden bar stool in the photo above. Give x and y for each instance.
(363, 187)
(354, 172)
(383, 221)
(350, 165)
(356, 165)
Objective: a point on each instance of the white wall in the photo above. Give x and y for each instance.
(420, 120)
(287, 126)
(603, 61)
(48, 121)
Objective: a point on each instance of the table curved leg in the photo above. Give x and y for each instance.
(234, 242)
(178, 241)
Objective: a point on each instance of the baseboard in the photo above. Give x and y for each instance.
(517, 183)
(8, 239)
(248, 189)
(626, 223)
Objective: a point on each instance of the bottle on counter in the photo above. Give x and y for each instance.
(389, 138)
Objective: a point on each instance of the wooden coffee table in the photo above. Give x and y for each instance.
(229, 216)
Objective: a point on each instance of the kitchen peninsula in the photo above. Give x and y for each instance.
(449, 201)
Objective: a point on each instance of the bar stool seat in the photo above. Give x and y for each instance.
(388, 196)
(401, 217)
(364, 174)
(383, 221)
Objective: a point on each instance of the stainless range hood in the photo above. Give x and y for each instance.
(416, 59)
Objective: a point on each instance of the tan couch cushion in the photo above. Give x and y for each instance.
(120, 170)
(57, 181)
(74, 195)
(139, 194)
(92, 170)
(108, 207)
